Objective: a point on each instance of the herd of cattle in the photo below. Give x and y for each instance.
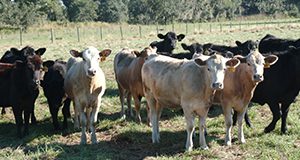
(230, 76)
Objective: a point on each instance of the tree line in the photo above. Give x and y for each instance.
(24, 13)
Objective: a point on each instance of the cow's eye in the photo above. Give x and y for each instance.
(249, 64)
(208, 69)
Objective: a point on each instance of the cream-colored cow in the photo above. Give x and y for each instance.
(189, 84)
(85, 85)
(127, 68)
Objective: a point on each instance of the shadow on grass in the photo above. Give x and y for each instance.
(111, 92)
(8, 132)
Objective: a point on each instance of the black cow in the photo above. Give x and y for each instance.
(19, 86)
(168, 43)
(193, 48)
(271, 43)
(8, 57)
(53, 86)
(241, 48)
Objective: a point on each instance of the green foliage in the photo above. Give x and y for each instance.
(112, 10)
(24, 13)
(82, 10)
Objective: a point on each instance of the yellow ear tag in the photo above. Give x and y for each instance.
(231, 69)
(103, 59)
(267, 65)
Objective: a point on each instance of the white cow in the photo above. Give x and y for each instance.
(189, 84)
(85, 85)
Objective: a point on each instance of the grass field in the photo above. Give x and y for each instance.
(126, 139)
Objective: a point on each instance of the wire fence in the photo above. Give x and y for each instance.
(85, 33)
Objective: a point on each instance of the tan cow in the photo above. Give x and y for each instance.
(85, 85)
(239, 88)
(127, 68)
(189, 84)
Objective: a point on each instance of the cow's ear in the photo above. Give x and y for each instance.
(270, 60)
(104, 53)
(40, 51)
(75, 53)
(184, 46)
(161, 36)
(238, 43)
(48, 63)
(199, 62)
(15, 51)
(180, 37)
(232, 63)
(241, 58)
(137, 53)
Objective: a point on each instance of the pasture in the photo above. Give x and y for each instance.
(126, 139)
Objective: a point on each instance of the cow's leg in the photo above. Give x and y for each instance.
(275, 109)
(33, 119)
(76, 113)
(137, 105)
(121, 91)
(247, 120)
(189, 118)
(83, 122)
(285, 107)
(19, 120)
(154, 119)
(128, 95)
(26, 119)
(66, 112)
(202, 131)
(54, 112)
(93, 120)
(240, 118)
(3, 111)
(148, 115)
(228, 123)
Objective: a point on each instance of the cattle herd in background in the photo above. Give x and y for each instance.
(230, 76)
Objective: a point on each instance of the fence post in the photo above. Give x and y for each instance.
(121, 31)
(186, 28)
(210, 29)
(220, 27)
(230, 25)
(173, 27)
(78, 34)
(52, 38)
(140, 30)
(240, 25)
(157, 28)
(101, 34)
(199, 26)
(21, 36)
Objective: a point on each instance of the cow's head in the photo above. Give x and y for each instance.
(29, 62)
(168, 42)
(216, 66)
(146, 52)
(91, 58)
(258, 62)
(193, 48)
(246, 47)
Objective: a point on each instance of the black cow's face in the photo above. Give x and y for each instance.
(193, 48)
(170, 39)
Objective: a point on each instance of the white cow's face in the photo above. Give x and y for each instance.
(216, 66)
(258, 62)
(91, 58)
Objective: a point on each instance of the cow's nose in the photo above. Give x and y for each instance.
(217, 85)
(91, 72)
(258, 77)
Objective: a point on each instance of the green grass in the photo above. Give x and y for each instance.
(125, 139)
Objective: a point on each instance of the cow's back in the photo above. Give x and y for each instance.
(170, 80)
